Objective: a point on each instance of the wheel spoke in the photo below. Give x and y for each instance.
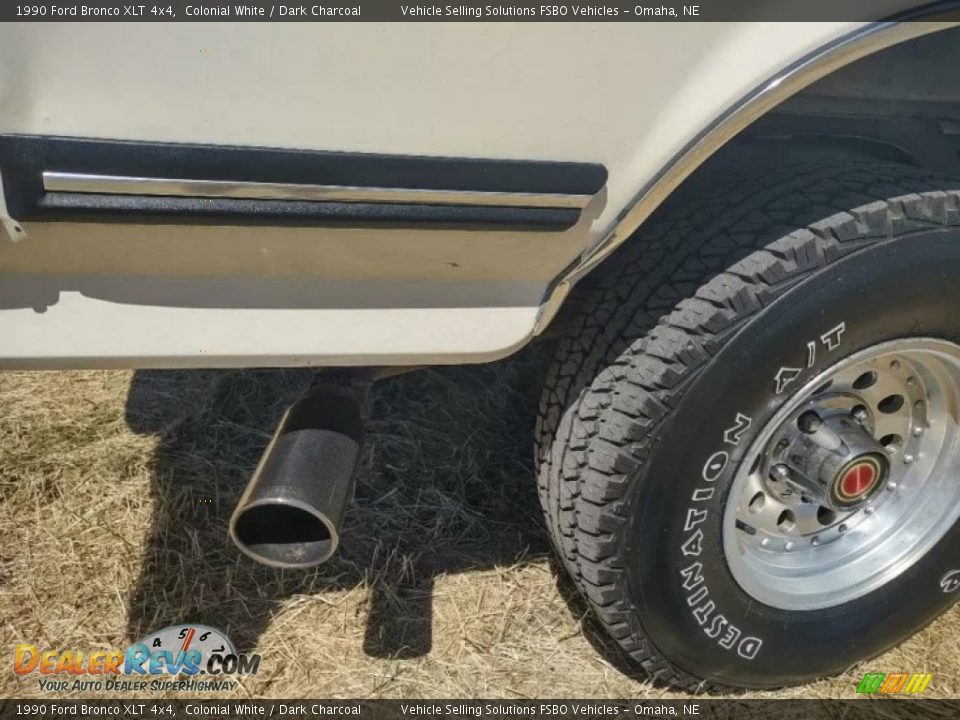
(806, 515)
(889, 388)
(892, 429)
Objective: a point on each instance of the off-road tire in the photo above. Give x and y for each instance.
(633, 359)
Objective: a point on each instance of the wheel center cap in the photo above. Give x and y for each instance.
(858, 479)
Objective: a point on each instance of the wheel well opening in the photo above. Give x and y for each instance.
(898, 105)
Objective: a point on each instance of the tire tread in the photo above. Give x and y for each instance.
(656, 318)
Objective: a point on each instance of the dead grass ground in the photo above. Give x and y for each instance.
(116, 488)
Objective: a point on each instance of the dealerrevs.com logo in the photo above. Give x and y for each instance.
(894, 683)
(169, 659)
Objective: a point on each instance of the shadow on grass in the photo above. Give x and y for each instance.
(445, 485)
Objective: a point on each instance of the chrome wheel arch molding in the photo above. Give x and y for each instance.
(862, 42)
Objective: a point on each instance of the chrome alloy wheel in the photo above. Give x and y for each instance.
(852, 481)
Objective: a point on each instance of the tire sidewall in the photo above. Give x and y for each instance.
(685, 598)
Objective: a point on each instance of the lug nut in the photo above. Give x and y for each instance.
(917, 431)
(860, 414)
(809, 422)
(780, 472)
(907, 459)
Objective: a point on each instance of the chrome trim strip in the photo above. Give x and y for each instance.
(843, 51)
(120, 185)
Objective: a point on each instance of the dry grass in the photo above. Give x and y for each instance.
(116, 488)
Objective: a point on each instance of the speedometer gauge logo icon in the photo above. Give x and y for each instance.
(199, 643)
(189, 650)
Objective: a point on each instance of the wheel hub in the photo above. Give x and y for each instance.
(829, 458)
(852, 480)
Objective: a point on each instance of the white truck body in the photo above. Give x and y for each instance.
(647, 101)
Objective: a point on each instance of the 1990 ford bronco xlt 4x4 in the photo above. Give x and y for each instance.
(748, 249)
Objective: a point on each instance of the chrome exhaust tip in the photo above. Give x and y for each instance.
(292, 510)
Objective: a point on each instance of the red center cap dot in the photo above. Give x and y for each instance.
(858, 479)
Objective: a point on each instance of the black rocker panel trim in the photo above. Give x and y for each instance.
(24, 158)
(145, 209)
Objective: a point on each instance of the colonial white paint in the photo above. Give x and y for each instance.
(626, 95)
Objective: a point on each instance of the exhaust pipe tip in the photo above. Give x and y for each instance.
(291, 511)
(284, 533)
